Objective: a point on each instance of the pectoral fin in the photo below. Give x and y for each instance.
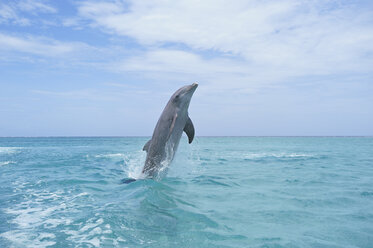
(189, 130)
(146, 146)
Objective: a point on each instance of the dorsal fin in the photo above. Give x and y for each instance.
(189, 130)
(146, 146)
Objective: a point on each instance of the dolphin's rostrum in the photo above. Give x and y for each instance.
(173, 121)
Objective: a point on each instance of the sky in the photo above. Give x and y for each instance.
(264, 67)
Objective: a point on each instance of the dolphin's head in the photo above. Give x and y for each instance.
(181, 98)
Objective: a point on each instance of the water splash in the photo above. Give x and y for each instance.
(133, 164)
(165, 163)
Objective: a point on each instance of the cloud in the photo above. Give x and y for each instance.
(176, 61)
(92, 94)
(239, 46)
(48, 51)
(72, 22)
(86, 94)
(9, 14)
(38, 45)
(35, 6)
(186, 67)
(287, 38)
(14, 12)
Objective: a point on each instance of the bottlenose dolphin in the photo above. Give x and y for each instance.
(173, 121)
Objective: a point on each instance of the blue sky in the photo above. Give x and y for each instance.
(109, 67)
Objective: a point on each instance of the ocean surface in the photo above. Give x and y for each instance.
(218, 192)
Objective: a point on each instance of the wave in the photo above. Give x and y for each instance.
(9, 150)
(40, 212)
(211, 180)
(278, 155)
(131, 163)
(110, 155)
(7, 162)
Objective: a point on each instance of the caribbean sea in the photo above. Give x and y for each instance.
(218, 192)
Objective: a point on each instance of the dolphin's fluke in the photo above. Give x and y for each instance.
(189, 130)
(127, 180)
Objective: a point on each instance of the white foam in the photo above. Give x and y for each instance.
(276, 155)
(111, 155)
(79, 195)
(133, 164)
(100, 221)
(20, 238)
(42, 211)
(9, 150)
(92, 231)
(29, 215)
(96, 231)
(53, 223)
(46, 235)
(95, 242)
(87, 227)
(117, 240)
(7, 162)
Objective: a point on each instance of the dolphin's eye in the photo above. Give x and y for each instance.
(177, 98)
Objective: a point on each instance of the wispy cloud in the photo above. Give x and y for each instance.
(38, 45)
(8, 14)
(35, 6)
(216, 41)
(288, 38)
(93, 94)
(13, 12)
(82, 94)
(168, 65)
(27, 48)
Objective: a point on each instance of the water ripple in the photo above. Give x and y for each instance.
(219, 192)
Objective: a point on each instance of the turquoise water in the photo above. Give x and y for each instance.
(219, 192)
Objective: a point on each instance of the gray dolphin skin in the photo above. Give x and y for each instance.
(173, 121)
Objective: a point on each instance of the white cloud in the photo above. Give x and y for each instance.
(176, 61)
(107, 94)
(37, 45)
(286, 38)
(72, 22)
(86, 94)
(175, 65)
(36, 6)
(9, 14)
(14, 12)
(239, 45)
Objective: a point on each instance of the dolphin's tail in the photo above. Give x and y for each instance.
(127, 180)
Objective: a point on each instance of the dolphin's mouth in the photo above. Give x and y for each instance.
(193, 87)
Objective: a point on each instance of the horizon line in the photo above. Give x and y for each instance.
(202, 136)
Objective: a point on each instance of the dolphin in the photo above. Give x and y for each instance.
(173, 121)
